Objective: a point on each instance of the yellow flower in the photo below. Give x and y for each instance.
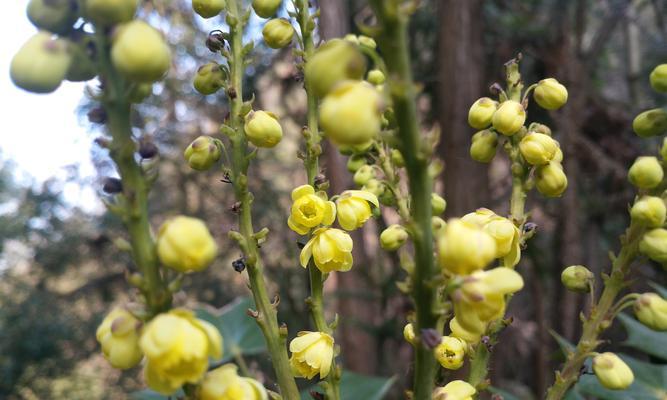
(278, 33)
(483, 146)
(455, 390)
(577, 278)
(538, 148)
(393, 237)
(658, 78)
(650, 123)
(646, 172)
(209, 78)
(463, 247)
(330, 248)
(309, 209)
(654, 245)
(651, 310)
(649, 211)
(263, 129)
(612, 372)
(459, 332)
(202, 153)
(550, 94)
(481, 113)
(353, 208)
(409, 333)
(312, 354)
(509, 117)
(41, 63)
(177, 347)
(185, 244)
(224, 383)
(481, 297)
(502, 230)
(351, 113)
(139, 52)
(450, 352)
(550, 179)
(119, 336)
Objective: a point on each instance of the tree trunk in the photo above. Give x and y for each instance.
(460, 83)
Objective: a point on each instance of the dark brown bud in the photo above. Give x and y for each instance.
(112, 185)
(430, 338)
(215, 41)
(147, 149)
(97, 115)
(238, 265)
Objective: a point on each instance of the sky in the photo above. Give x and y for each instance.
(41, 133)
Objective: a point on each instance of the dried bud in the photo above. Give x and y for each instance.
(484, 145)
(550, 179)
(147, 149)
(393, 237)
(430, 338)
(538, 148)
(97, 115)
(646, 172)
(278, 33)
(658, 78)
(208, 8)
(649, 211)
(209, 78)
(550, 94)
(215, 41)
(263, 129)
(202, 153)
(577, 278)
(112, 185)
(238, 265)
(509, 117)
(481, 113)
(650, 123)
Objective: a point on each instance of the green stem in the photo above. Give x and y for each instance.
(135, 185)
(393, 42)
(267, 316)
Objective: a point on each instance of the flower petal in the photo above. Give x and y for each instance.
(329, 213)
(307, 252)
(302, 191)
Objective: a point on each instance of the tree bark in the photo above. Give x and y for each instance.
(460, 83)
(357, 345)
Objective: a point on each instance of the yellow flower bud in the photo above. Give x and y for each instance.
(335, 61)
(330, 248)
(351, 38)
(312, 354)
(374, 186)
(409, 333)
(355, 162)
(651, 310)
(266, 8)
(263, 129)
(41, 64)
(351, 113)
(367, 41)
(481, 113)
(139, 92)
(550, 179)
(397, 158)
(55, 16)
(538, 148)
(464, 248)
(649, 211)
(354, 208)
(309, 209)
(355, 148)
(278, 33)
(509, 117)
(650, 123)
(139, 52)
(612, 372)
(658, 78)
(393, 237)
(363, 175)
(550, 94)
(202, 153)
(558, 157)
(375, 77)
(437, 225)
(654, 245)
(539, 128)
(577, 278)
(459, 332)
(450, 352)
(663, 150)
(110, 12)
(177, 347)
(209, 78)
(455, 390)
(438, 204)
(483, 146)
(185, 244)
(502, 230)
(646, 172)
(224, 383)
(208, 8)
(119, 336)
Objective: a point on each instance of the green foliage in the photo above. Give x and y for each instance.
(355, 386)
(643, 338)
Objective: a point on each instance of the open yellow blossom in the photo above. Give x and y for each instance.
(177, 347)
(353, 208)
(119, 336)
(502, 230)
(455, 390)
(310, 209)
(331, 249)
(459, 332)
(224, 383)
(450, 352)
(312, 354)
(463, 247)
(409, 333)
(481, 297)
(185, 244)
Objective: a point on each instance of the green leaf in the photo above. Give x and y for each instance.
(643, 338)
(151, 395)
(662, 291)
(563, 343)
(355, 387)
(650, 383)
(240, 332)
